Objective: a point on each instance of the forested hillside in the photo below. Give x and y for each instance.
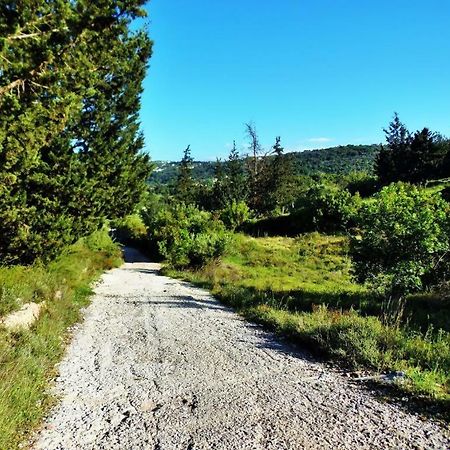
(336, 160)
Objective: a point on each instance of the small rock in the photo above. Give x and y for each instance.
(23, 318)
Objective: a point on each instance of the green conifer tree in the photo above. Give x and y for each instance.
(281, 172)
(236, 181)
(57, 57)
(184, 186)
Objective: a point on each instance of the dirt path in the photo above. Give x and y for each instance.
(159, 364)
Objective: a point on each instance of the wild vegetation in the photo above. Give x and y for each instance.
(356, 266)
(28, 356)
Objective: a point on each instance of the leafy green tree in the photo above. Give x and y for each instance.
(184, 186)
(403, 241)
(235, 214)
(186, 236)
(326, 207)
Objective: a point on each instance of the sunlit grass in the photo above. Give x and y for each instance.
(28, 358)
(311, 262)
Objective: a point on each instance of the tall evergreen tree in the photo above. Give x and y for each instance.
(111, 142)
(281, 178)
(61, 62)
(393, 160)
(184, 186)
(236, 180)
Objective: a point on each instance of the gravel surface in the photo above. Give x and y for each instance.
(159, 364)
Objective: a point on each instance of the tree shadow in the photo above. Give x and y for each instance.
(133, 255)
(182, 302)
(434, 409)
(143, 271)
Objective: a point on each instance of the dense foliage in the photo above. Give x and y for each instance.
(404, 240)
(70, 84)
(326, 207)
(235, 214)
(186, 236)
(414, 158)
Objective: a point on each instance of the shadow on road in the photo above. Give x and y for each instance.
(133, 255)
(144, 271)
(266, 339)
(182, 302)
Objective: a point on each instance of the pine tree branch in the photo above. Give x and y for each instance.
(20, 36)
(20, 83)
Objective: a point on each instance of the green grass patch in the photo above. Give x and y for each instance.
(28, 357)
(302, 288)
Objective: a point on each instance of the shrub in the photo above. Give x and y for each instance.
(130, 230)
(235, 214)
(326, 207)
(403, 241)
(362, 183)
(186, 236)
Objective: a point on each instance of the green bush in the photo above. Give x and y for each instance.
(235, 214)
(186, 236)
(325, 207)
(403, 241)
(130, 230)
(362, 183)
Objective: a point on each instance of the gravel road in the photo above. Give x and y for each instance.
(159, 364)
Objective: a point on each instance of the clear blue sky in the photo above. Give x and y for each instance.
(318, 73)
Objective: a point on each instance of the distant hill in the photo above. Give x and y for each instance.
(338, 160)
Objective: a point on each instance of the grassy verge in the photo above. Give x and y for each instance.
(28, 358)
(302, 288)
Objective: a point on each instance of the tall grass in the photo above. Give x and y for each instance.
(28, 357)
(303, 289)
